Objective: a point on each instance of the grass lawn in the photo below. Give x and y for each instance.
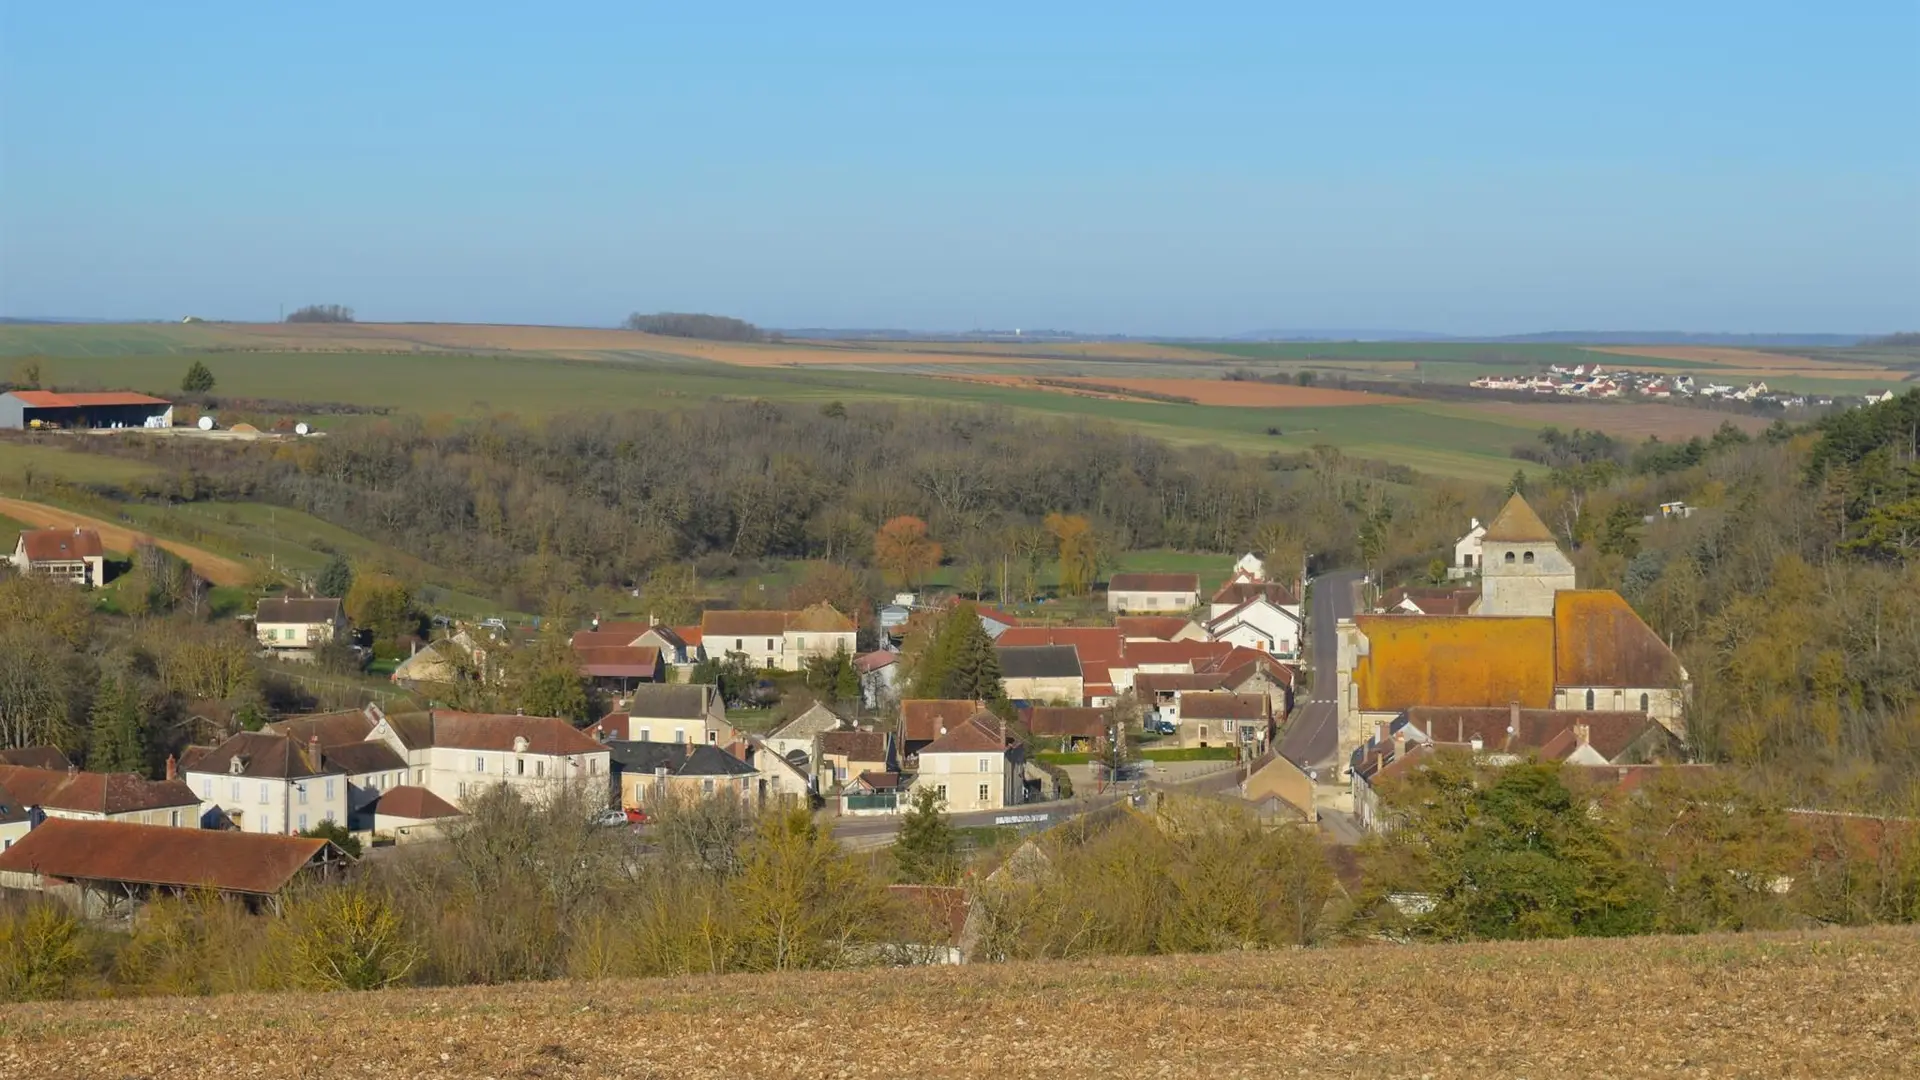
(49, 457)
(1192, 753)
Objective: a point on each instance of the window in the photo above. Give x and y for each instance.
(303, 823)
(707, 785)
(679, 735)
(985, 766)
(1229, 726)
(520, 766)
(1527, 558)
(328, 816)
(983, 793)
(840, 774)
(1203, 731)
(769, 644)
(739, 645)
(1153, 601)
(539, 768)
(206, 790)
(173, 818)
(236, 791)
(479, 763)
(263, 792)
(301, 790)
(941, 790)
(593, 766)
(1643, 703)
(713, 736)
(1509, 558)
(800, 643)
(646, 735)
(1589, 701)
(329, 789)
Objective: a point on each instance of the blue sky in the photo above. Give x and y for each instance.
(1151, 168)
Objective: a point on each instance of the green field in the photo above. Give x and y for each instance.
(1479, 354)
(21, 460)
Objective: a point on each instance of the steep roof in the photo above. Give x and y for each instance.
(1210, 705)
(978, 733)
(263, 755)
(414, 729)
(408, 801)
(853, 745)
(1194, 653)
(817, 718)
(819, 618)
(229, 861)
(1156, 682)
(1166, 583)
(1516, 523)
(1096, 644)
(761, 624)
(482, 731)
(1227, 619)
(670, 701)
(1599, 640)
(664, 634)
(61, 545)
(588, 639)
(92, 792)
(922, 719)
(1454, 660)
(298, 609)
(333, 729)
(1055, 721)
(1038, 661)
(868, 663)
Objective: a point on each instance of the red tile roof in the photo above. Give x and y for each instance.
(853, 745)
(1151, 627)
(1245, 592)
(1054, 722)
(619, 661)
(334, 728)
(941, 909)
(479, 731)
(1207, 705)
(61, 545)
(92, 792)
(763, 624)
(1096, 644)
(1195, 653)
(921, 720)
(245, 862)
(48, 399)
(978, 733)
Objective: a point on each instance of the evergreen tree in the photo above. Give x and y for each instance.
(1517, 485)
(198, 380)
(927, 851)
(336, 578)
(973, 669)
(846, 683)
(119, 738)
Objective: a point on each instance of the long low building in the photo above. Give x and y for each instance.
(117, 409)
(109, 862)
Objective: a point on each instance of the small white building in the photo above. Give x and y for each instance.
(1260, 625)
(299, 625)
(1468, 551)
(74, 555)
(1153, 592)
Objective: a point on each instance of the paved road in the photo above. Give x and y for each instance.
(1312, 740)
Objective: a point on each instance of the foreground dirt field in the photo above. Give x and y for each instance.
(1836, 1004)
(118, 538)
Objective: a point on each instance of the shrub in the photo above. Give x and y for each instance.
(40, 952)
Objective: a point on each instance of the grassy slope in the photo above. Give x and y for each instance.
(1835, 1003)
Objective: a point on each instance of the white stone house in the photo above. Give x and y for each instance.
(1467, 552)
(1260, 625)
(669, 712)
(298, 626)
(268, 783)
(1153, 592)
(531, 755)
(74, 555)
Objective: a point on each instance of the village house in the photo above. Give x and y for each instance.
(298, 627)
(1213, 718)
(1278, 788)
(1467, 552)
(73, 555)
(875, 793)
(1098, 647)
(839, 756)
(445, 661)
(924, 720)
(975, 766)
(669, 712)
(779, 781)
(1249, 567)
(16, 818)
(408, 813)
(68, 793)
(1158, 628)
(530, 755)
(1153, 592)
(1237, 594)
(675, 650)
(1042, 674)
(613, 663)
(268, 783)
(1159, 695)
(879, 677)
(796, 735)
(1261, 625)
(650, 773)
(1421, 600)
(1067, 727)
(779, 640)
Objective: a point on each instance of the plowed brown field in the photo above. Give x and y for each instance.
(1255, 395)
(215, 568)
(1750, 362)
(1837, 1003)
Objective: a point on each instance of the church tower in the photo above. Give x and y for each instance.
(1521, 565)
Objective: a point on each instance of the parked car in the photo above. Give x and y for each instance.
(611, 817)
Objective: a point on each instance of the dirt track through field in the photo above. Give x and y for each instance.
(215, 568)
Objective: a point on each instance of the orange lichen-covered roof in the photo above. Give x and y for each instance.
(1601, 641)
(1454, 660)
(1516, 523)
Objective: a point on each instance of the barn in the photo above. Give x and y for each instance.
(115, 409)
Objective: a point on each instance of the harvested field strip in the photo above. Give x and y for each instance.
(1836, 1003)
(1244, 394)
(118, 538)
(1628, 420)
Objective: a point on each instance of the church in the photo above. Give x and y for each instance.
(1532, 640)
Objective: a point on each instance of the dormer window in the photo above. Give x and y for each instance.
(237, 764)
(519, 744)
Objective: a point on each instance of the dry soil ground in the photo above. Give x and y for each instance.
(1835, 1004)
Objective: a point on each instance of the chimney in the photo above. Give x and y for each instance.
(652, 619)
(1581, 734)
(1379, 732)
(173, 768)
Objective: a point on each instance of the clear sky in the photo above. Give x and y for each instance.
(1152, 168)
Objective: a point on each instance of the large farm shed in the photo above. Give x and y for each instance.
(116, 409)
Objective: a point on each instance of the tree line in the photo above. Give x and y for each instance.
(687, 325)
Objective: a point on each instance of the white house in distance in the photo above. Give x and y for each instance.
(975, 766)
(1467, 552)
(267, 783)
(296, 626)
(778, 640)
(74, 555)
(668, 712)
(123, 797)
(1260, 625)
(529, 754)
(1153, 592)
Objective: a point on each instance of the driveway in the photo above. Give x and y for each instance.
(1312, 739)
